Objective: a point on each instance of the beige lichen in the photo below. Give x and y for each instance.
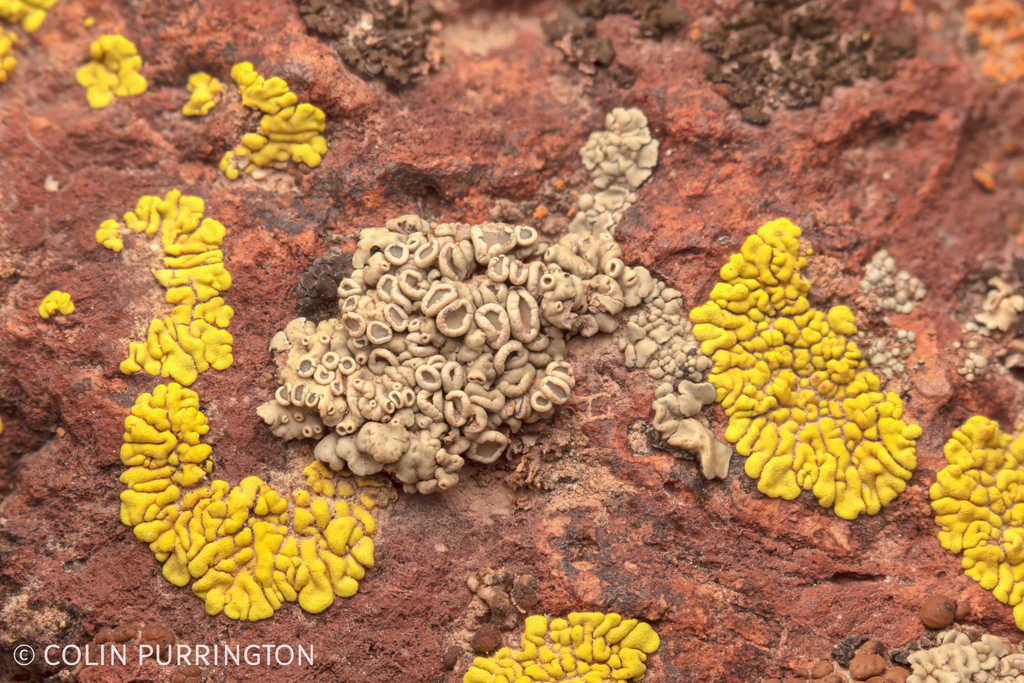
(673, 419)
(1002, 306)
(956, 659)
(620, 159)
(450, 338)
(660, 339)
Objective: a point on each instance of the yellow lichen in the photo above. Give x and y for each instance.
(801, 406)
(113, 70)
(7, 60)
(248, 548)
(288, 131)
(206, 93)
(56, 302)
(30, 13)
(193, 338)
(109, 236)
(979, 503)
(587, 647)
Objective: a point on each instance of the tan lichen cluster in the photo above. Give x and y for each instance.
(674, 413)
(1002, 306)
(289, 131)
(888, 289)
(587, 647)
(194, 337)
(113, 70)
(999, 26)
(29, 13)
(247, 549)
(620, 159)
(205, 92)
(979, 504)
(450, 338)
(660, 339)
(956, 659)
(801, 406)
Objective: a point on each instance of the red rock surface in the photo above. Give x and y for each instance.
(740, 587)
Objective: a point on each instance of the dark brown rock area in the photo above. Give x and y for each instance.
(740, 587)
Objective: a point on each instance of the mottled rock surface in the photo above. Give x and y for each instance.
(740, 587)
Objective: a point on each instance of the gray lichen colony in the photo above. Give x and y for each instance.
(452, 336)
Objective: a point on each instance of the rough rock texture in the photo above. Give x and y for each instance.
(739, 587)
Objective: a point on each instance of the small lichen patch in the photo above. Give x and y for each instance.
(660, 339)
(56, 302)
(887, 289)
(289, 131)
(29, 13)
(674, 411)
(247, 549)
(792, 54)
(396, 40)
(999, 26)
(205, 92)
(7, 60)
(194, 337)
(801, 406)
(620, 159)
(113, 70)
(1002, 306)
(979, 504)
(587, 646)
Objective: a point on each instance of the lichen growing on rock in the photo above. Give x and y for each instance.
(674, 410)
(956, 658)
(289, 131)
(205, 92)
(999, 26)
(620, 159)
(248, 549)
(56, 302)
(801, 407)
(392, 39)
(29, 13)
(450, 338)
(587, 646)
(194, 337)
(979, 504)
(574, 31)
(113, 70)
(775, 54)
(7, 60)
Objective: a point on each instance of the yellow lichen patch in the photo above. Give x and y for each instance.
(288, 131)
(193, 338)
(587, 647)
(109, 236)
(7, 60)
(247, 549)
(56, 302)
(979, 504)
(206, 93)
(30, 13)
(113, 70)
(999, 26)
(801, 406)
